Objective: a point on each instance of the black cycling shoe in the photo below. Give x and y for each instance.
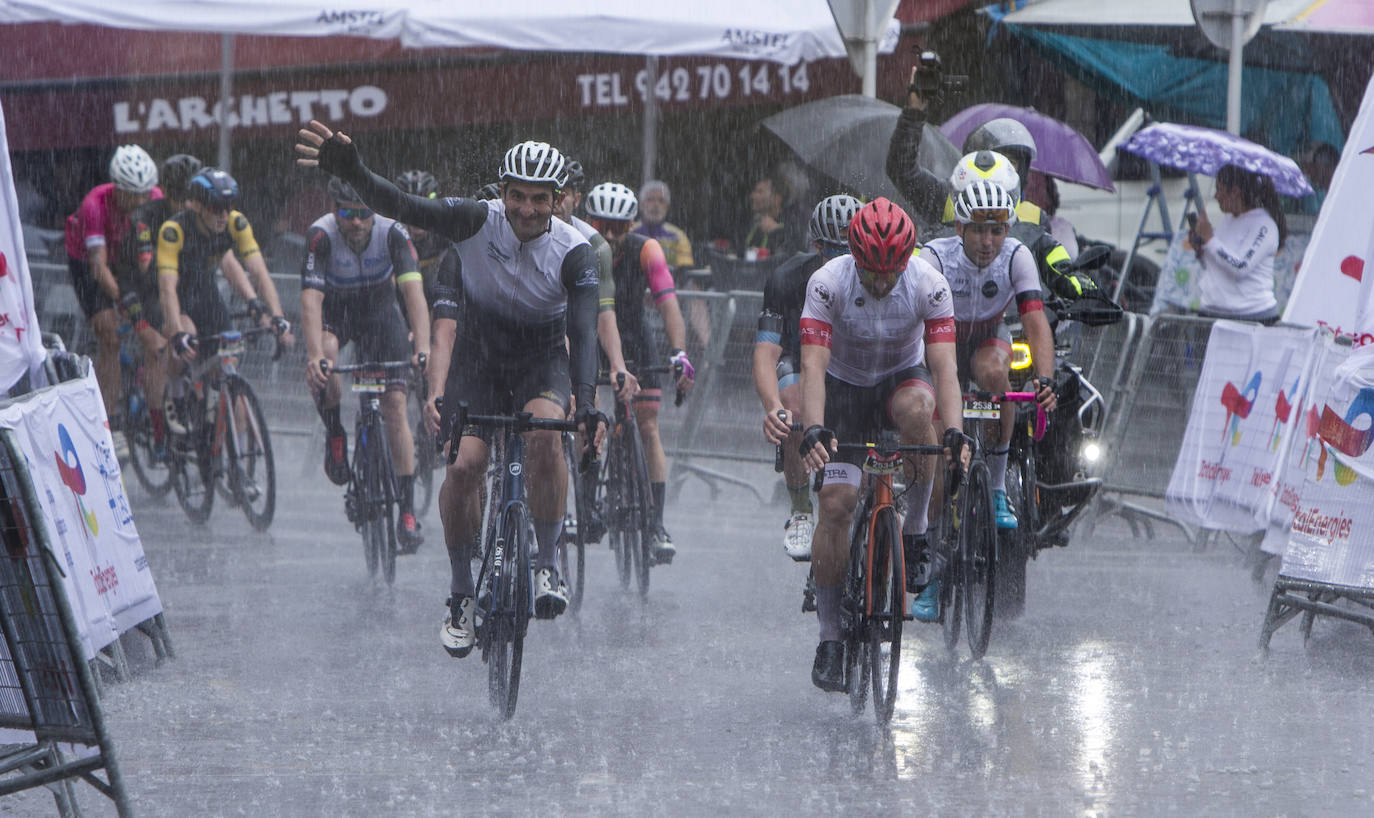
(594, 528)
(828, 671)
(916, 557)
(408, 535)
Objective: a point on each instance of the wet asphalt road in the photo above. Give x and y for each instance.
(1131, 686)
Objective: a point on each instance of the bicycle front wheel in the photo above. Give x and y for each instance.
(193, 466)
(426, 459)
(624, 534)
(1012, 560)
(853, 619)
(252, 470)
(980, 560)
(642, 503)
(573, 545)
(384, 496)
(953, 531)
(887, 589)
(150, 459)
(510, 614)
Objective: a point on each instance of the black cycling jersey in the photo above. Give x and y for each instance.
(431, 251)
(133, 268)
(784, 295)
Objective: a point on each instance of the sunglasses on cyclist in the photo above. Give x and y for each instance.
(872, 278)
(611, 226)
(353, 213)
(999, 215)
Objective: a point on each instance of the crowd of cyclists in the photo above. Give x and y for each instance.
(509, 301)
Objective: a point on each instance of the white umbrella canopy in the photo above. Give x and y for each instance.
(786, 31)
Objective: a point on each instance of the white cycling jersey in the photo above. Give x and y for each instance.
(870, 338)
(982, 295)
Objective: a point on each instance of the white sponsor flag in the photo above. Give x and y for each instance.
(21, 344)
(65, 437)
(1332, 535)
(1244, 412)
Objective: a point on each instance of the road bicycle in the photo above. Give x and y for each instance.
(873, 605)
(427, 459)
(624, 499)
(372, 497)
(226, 447)
(147, 455)
(968, 528)
(505, 580)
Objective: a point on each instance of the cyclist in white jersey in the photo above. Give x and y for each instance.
(869, 320)
(524, 330)
(987, 270)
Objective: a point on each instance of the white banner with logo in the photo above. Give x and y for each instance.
(1332, 535)
(1245, 409)
(21, 344)
(65, 436)
(1327, 290)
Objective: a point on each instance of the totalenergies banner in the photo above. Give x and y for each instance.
(63, 434)
(1330, 540)
(1245, 410)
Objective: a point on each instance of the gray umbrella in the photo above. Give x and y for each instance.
(846, 138)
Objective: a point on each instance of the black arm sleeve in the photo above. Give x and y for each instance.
(457, 219)
(448, 287)
(583, 286)
(920, 187)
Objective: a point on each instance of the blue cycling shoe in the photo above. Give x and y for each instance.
(926, 606)
(1005, 519)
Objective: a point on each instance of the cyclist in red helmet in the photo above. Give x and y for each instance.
(871, 319)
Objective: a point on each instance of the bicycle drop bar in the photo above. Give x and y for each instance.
(881, 451)
(1014, 397)
(678, 397)
(451, 431)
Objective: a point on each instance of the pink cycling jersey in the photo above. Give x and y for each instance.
(870, 338)
(98, 222)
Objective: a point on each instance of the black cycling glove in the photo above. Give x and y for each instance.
(954, 442)
(813, 435)
(340, 159)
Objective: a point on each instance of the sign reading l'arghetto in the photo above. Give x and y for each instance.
(248, 110)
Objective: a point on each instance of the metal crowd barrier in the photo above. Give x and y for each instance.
(46, 688)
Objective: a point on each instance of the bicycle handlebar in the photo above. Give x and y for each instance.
(245, 334)
(385, 366)
(678, 397)
(1014, 397)
(452, 428)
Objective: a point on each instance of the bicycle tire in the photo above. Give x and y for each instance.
(623, 537)
(153, 469)
(361, 487)
(252, 467)
(980, 561)
(510, 612)
(426, 459)
(952, 535)
(193, 480)
(1013, 559)
(642, 503)
(888, 583)
(384, 498)
(573, 543)
(853, 622)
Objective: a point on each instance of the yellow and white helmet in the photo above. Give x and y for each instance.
(987, 166)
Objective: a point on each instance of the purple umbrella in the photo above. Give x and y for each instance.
(1060, 151)
(1206, 151)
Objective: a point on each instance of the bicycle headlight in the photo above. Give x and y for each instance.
(1091, 451)
(1020, 355)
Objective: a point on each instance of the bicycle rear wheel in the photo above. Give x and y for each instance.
(980, 560)
(953, 531)
(573, 545)
(252, 471)
(193, 466)
(887, 586)
(150, 460)
(510, 614)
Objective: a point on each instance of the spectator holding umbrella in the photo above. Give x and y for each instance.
(1237, 254)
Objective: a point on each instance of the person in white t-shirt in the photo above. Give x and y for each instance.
(1237, 254)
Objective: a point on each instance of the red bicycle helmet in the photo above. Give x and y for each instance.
(881, 238)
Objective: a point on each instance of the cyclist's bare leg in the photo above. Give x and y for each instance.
(332, 391)
(992, 370)
(105, 325)
(460, 510)
(912, 408)
(830, 553)
(548, 481)
(153, 345)
(175, 365)
(398, 435)
(793, 470)
(646, 416)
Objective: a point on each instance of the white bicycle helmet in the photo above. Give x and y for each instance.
(1002, 135)
(537, 162)
(985, 201)
(830, 220)
(986, 166)
(133, 170)
(612, 201)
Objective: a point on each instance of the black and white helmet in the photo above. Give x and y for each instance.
(613, 201)
(830, 220)
(985, 201)
(133, 170)
(418, 183)
(536, 162)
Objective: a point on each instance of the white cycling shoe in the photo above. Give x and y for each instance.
(550, 594)
(459, 637)
(796, 541)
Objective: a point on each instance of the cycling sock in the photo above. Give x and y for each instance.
(658, 490)
(158, 423)
(828, 611)
(460, 584)
(918, 509)
(332, 424)
(801, 498)
(997, 468)
(406, 483)
(546, 532)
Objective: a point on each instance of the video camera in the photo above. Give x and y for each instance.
(931, 80)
